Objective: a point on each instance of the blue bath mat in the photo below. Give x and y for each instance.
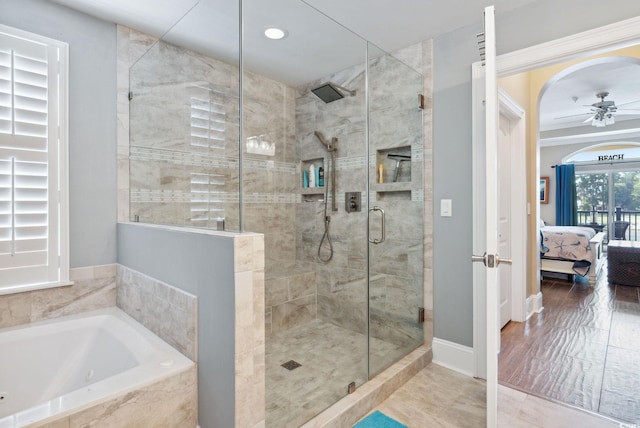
(378, 419)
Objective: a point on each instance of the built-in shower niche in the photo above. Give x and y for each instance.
(393, 174)
(316, 193)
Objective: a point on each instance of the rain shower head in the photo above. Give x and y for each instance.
(330, 92)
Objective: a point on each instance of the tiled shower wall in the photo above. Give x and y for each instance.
(183, 127)
(396, 268)
(179, 178)
(175, 179)
(162, 186)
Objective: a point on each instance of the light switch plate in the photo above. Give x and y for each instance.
(445, 208)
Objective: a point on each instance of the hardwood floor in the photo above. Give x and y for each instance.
(583, 349)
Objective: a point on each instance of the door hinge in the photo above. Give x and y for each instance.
(130, 95)
(351, 388)
(421, 101)
(421, 315)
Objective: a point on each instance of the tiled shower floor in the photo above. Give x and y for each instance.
(331, 357)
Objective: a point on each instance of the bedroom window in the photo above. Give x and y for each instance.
(592, 190)
(607, 197)
(33, 162)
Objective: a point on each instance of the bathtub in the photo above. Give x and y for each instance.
(59, 367)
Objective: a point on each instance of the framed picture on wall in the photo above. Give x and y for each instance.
(544, 190)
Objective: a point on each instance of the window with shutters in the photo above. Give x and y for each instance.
(33, 162)
(208, 133)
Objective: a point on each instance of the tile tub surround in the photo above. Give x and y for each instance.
(94, 287)
(226, 272)
(170, 403)
(167, 311)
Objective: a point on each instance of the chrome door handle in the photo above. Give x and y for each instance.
(500, 260)
(490, 260)
(477, 259)
(382, 220)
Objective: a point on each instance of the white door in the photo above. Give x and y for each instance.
(504, 216)
(486, 278)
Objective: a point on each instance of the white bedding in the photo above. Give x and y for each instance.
(568, 243)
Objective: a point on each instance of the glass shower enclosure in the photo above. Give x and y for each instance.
(314, 140)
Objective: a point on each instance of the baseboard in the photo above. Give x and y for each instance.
(534, 304)
(453, 356)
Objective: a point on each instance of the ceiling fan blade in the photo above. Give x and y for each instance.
(630, 102)
(627, 111)
(573, 115)
(590, 119)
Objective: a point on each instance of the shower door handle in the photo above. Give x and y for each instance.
(382, 224)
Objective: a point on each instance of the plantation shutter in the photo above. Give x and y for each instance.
(208, 134)
(29, 158)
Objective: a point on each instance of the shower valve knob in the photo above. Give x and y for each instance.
(352, 202)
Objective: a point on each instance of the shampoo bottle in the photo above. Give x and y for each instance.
(312, 176)
(305, 179)
(321, 177)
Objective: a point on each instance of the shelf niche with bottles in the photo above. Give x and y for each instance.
(388, 161)
(312, 194)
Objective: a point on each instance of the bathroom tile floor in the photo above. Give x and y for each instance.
(331, 357)
(583, 349)
(439, 397)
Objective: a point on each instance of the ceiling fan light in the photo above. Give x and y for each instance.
(609, 119)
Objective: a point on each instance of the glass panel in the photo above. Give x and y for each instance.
(592, 195)
(316, 304)
(396, 265)
(626, 194)
(184, 122)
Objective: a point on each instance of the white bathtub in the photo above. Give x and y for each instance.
(60, 366)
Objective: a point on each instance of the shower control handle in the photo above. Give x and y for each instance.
(352, 202)
(382, 224)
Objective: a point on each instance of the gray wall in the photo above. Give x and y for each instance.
(92, 121)
(202, 265)
(454, 52)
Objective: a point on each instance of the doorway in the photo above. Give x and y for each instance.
(601, 39)
(547, 355)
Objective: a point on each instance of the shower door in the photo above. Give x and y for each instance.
(396, 210)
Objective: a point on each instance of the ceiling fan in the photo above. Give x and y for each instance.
(603, 112)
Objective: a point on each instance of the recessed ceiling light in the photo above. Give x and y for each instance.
(275, 33)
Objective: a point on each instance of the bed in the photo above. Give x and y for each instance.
(571, 250)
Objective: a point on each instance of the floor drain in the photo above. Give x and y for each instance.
(291, 365)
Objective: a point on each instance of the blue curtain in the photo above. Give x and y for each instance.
(566, 212)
